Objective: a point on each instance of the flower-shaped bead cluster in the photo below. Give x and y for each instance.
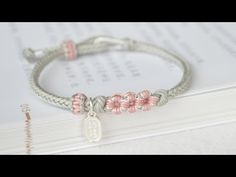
(131, 102)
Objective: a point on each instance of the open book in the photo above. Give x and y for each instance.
(210, 48)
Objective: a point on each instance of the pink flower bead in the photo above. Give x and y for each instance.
(145, 100)
(78, 101)
(129, 102)
(114, 104)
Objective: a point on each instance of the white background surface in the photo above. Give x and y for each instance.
(220, 139)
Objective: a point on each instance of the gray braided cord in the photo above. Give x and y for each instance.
(98, 45)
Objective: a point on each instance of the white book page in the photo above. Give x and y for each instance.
(209, 48)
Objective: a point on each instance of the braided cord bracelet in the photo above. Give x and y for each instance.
(79, 103)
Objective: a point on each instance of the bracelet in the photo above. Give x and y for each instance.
(79, 103)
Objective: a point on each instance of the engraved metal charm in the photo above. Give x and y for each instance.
(92, 126)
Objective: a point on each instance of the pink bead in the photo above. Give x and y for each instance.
(129, 102)
(145, 100)
(78, 101)
(69, 48)
(113, 104)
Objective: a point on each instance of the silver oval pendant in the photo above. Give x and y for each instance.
(92, 128)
